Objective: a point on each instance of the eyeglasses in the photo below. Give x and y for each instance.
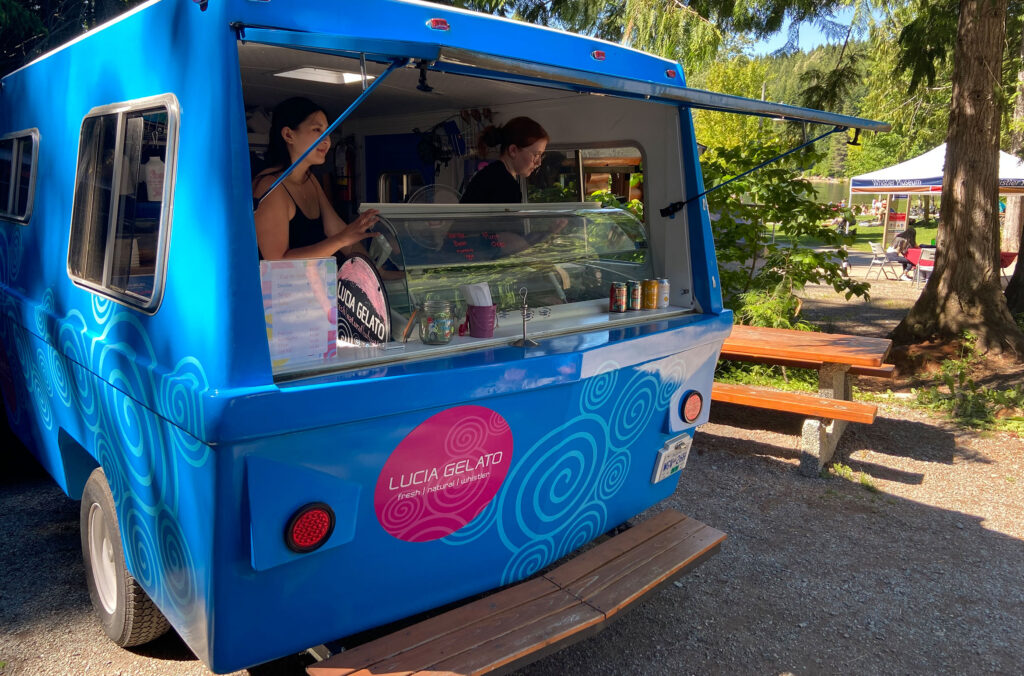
(535, 155)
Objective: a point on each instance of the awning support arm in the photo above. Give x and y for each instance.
(395, 65)
(671, 210)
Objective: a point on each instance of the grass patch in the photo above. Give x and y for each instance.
(845, 472)
(957, 395)
(763, 375)
(864, 236)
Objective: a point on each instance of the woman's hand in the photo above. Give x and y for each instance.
(358, 229)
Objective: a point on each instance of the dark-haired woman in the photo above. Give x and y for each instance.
(297, 220)
(522, 142)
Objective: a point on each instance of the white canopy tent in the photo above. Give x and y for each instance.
(922, 175)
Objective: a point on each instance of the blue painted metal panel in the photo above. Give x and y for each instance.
(181, 411)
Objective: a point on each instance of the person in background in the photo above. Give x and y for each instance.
(297, 220)
(522, 142)
(897, 251)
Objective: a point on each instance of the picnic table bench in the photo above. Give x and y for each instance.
(836, 357)
(522, 623)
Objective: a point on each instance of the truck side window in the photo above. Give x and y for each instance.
(18, 158)
(123, 188)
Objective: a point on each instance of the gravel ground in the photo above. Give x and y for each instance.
(912, 564)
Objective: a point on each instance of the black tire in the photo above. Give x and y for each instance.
(128, 615)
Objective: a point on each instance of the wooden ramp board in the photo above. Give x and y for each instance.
(794, 402)
(517, 625)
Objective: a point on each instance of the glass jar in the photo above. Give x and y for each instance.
(437, 322)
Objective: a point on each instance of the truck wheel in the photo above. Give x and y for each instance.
(128, 615)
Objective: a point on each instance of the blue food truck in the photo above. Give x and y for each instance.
(264, 483)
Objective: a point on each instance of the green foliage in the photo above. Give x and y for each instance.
(842, 471)
(28, 29)
(740, 76)
(777, 377)
(761, 277)
(968, 403)
(607, 199)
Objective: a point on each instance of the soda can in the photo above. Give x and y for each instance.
(663, 295)
(634, 295)
(649, 292)
(617, 297)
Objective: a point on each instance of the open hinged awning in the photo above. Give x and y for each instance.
(474, 63)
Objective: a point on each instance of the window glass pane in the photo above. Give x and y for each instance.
(614, 176)
(134, 251)
(6, 162)
(557, 178)
(24, 182)
(90, 217)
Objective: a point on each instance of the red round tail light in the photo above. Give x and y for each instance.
(692, 405)
(309, 527)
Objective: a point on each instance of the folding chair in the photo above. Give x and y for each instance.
(881, 259)
(926, 263)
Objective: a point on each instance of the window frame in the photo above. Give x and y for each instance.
(16, 158)
(169, 102)
(578, 148)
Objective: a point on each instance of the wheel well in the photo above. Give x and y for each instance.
(78, 464)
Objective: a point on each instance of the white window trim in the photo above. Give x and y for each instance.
(170, 103)
(32, 133)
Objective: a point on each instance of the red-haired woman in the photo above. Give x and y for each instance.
(522, 143)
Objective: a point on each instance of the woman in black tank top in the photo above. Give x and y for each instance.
(299, 221)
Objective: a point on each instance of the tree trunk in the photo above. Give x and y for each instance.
(964, 293)
(1013, 222)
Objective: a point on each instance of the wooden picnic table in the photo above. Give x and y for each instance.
(837, 357)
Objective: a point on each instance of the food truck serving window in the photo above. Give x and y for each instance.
(18, 156)
(121, 215)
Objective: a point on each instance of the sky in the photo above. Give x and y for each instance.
(810, 36)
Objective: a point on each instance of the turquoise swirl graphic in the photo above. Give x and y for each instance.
(180, 401)
(528, 560)
(141, 550)
(179, 571)
(599, 388)
(613, 475)
(552, 481)
(634, 408)
(587, 524)
(479, 526)
(673, 375)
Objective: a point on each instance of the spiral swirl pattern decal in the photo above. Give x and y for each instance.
(178, 570)
(584, 527)
(597, 389)
(180, 398)
(443, 474)
(135, 528)
(635, 406)
(96, 375)
(529, 559)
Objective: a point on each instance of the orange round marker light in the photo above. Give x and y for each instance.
(692, 405)
(309, 527)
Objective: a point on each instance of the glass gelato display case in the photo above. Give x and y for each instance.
(562, 259)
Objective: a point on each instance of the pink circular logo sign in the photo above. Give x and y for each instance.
(443, 473)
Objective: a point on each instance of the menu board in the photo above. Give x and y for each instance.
(299, 305)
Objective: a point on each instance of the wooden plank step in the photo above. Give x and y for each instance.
(513, 627)
(794, 402)
(883, 371)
